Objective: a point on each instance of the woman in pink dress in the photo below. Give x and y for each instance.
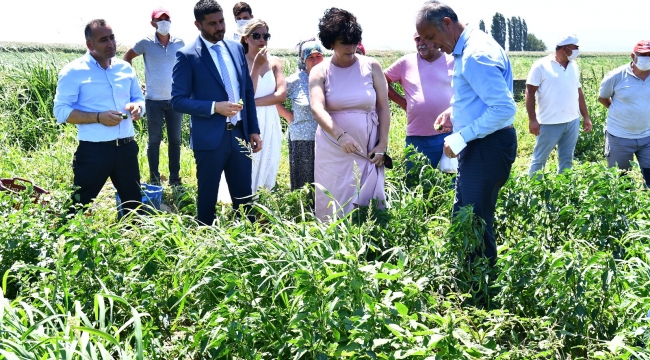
(349, 100)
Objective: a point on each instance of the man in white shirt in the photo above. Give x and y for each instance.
(555, 81)
(625, 92)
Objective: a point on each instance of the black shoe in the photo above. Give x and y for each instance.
(175, 182)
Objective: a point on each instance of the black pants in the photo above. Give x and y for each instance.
(94, 163)
(159, 112)
(483, 168)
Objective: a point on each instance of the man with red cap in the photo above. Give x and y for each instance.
(159, 52)
(625, 92)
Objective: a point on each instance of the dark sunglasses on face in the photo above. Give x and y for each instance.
(257, 36)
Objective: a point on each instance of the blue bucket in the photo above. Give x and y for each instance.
(151, 198)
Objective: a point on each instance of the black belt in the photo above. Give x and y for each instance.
(230, 126)
(116, 142)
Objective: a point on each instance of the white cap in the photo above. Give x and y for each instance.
(571, 39)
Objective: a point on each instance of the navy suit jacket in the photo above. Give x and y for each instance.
(196, 83)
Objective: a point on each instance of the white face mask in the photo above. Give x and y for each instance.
(642, 62)
(163, 27)
(574, 54)
(241, 23)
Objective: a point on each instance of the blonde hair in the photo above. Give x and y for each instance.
(248, 30)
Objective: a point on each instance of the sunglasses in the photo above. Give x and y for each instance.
(257, 36)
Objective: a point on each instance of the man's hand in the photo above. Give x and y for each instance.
(110, 118)
(256, 142)
(533, 127)
(447, 150)
(443, 122)
(586, 125)
(227, 108)
(135, 109)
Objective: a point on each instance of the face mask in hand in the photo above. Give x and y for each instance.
(163, 27)
(642, 62)
(574, 54)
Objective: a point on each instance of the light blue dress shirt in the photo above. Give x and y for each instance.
(230, 67)
(482, 82)
(85, 86)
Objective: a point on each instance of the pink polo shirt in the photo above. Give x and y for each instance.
(427, 87)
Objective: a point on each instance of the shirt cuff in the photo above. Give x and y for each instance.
(212, 110)
(456, 142)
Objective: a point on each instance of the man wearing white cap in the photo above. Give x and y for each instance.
(159, 51)
(426, 79)
(555, 81)
(625, 92)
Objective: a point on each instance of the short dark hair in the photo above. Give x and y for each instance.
(205, 7)
(241, 7)
(434, 12)
(338, 24)
(88, 30)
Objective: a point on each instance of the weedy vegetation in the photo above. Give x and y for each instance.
(571, 281)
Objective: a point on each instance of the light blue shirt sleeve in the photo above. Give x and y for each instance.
(67, 94)
(486, 79)
(136, 94)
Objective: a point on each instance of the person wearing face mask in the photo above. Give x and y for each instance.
(243, 15)
(426, 79)
(159, 52)
(302, 126)
(625, 92)
(554, 81)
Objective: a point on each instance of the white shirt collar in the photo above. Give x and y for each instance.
(209, 44)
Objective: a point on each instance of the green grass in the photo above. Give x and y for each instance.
(571, 281)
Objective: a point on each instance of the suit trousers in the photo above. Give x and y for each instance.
(94, 163)
(233, 160)
(483, 168)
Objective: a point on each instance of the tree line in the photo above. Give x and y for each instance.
(515, 31)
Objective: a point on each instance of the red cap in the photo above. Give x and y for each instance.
(642, 47)
(159, 11)
(360, 47)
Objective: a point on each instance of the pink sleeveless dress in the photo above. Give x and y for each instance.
(350, 99)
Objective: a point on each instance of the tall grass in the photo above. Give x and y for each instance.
(570, 282)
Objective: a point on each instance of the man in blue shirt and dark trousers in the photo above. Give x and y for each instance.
(101, 95)
(481, 114)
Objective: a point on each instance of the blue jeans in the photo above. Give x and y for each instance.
(156, 111)
(430, 146)
(565, 136)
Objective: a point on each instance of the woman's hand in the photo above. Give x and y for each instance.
(376, 155)
(348, 144)
(261, 57)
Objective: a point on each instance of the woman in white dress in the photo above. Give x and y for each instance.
(270, 89)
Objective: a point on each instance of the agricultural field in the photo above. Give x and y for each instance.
(571, 281)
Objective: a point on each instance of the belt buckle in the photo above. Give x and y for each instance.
(117, 142)
(229, 126)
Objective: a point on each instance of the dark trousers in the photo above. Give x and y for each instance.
(301, 163)
(94, 163)
(483, 168)
(159, 112)
(231, 159)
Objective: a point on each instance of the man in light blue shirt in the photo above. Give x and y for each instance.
(101, 96)
(481, 114)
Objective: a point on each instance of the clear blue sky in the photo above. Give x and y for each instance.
(387, 25)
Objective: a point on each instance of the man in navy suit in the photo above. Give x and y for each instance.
(211, 82)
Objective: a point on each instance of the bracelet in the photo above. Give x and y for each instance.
(97, 117)
(380, 153)
(339, 138)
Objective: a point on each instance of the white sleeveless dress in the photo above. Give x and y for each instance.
(266, 162)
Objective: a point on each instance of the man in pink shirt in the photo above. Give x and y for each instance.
(425, 77)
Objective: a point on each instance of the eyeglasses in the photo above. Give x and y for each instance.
(257, 36)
